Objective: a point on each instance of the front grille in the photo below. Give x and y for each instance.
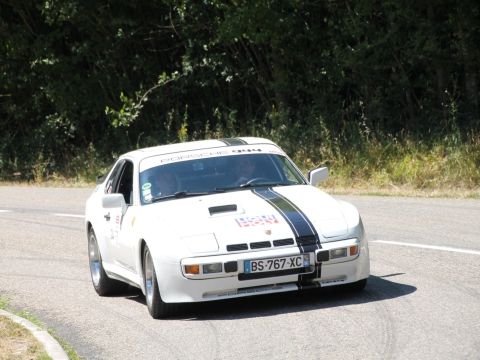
(283, 242)
(323, 256)
(230, 266)
(260, 245)
(237, 247)
(306, 240)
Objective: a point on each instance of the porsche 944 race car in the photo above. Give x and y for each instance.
(219, 219)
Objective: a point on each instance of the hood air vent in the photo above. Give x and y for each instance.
(260, 245)
(222, 209)
(237, 247)
(283, 242)
(264, 244)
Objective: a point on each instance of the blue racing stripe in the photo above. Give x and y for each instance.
(301, 226)
(306, 236)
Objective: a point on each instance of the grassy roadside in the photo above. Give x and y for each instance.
(447, 166)
(17, 343)
(393, 191)
(370, 164)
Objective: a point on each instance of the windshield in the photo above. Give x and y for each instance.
(216, 174)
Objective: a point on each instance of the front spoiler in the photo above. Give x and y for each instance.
(175, 287)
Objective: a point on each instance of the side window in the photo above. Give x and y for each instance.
(125, 183)
(113, 179)
(289, 171)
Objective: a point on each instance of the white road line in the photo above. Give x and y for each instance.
(69, 215)
(432, 247)
(5, 211)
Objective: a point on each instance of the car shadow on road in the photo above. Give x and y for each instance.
(377, 289)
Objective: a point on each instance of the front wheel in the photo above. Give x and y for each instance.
(101, 282)
(156, 307)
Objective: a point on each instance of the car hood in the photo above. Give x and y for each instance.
(244, 217)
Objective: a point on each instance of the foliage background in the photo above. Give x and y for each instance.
(384, 91)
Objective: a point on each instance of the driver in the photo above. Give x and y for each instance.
(244, 170)
(165, 184)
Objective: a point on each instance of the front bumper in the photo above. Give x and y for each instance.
(176, 286)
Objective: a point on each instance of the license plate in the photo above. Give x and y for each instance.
(276, 264)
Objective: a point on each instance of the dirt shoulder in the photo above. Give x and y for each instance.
(458, 193)
(16, 342)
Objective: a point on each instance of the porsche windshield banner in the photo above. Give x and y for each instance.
(153, 161)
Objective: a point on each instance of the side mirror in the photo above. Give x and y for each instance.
(317, 175)
(112, 201)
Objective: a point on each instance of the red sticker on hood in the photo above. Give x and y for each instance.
(248, 221)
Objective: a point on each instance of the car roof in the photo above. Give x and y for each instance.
(195, 145)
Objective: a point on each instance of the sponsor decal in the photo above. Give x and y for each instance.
(193, 156)
(250, 221)
(146, 186)
(242, 151)
(147, 194)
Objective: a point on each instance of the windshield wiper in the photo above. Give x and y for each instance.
(184, 194)
(255, 184)
(179, 195)
(226, 188)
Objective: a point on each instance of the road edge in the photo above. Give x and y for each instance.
(52, 347)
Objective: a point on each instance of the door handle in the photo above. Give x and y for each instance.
(107, 216)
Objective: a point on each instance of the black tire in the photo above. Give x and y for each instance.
(102, 284)
(156, 307)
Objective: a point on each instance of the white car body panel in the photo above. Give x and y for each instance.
(183, 231)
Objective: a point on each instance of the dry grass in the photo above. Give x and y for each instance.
(405, 191)
(62, 183)
(386, 166)
(17, 343)
(441, 167)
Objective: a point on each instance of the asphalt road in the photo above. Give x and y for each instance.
(422, 300)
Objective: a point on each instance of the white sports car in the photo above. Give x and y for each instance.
(219, 219)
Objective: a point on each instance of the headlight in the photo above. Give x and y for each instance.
(194, 269)
(344, 252)
(338, 253)
(212, 268)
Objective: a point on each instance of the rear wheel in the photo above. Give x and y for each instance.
(156, 307)
(101, 282)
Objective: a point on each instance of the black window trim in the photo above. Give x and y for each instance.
(124, 166)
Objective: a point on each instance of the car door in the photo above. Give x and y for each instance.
(101, 216)
(119, 220)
